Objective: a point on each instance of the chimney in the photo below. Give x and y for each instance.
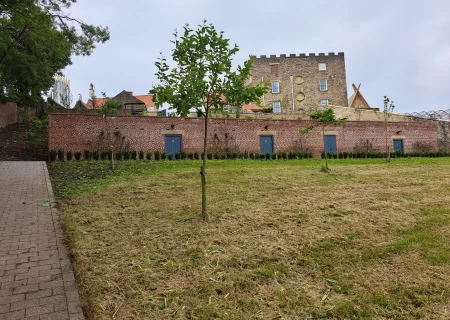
(130, 92)
(91, 92)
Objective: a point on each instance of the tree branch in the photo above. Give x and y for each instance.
(25, 27)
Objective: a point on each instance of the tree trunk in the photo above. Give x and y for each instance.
(205, 216)
(324, 147)
(388, 154)
(112, 158)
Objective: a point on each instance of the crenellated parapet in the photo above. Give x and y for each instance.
(300, 55)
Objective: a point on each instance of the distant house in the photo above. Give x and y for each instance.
(95, 103)
(147, 99)
(130, 103)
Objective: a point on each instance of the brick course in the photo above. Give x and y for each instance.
(78, 132)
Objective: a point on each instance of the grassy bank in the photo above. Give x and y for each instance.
(370, 240)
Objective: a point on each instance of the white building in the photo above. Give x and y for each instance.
(60, 92)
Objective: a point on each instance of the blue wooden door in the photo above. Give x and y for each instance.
(330, 143)
(172, 144)
(266, 144)
(398, 145)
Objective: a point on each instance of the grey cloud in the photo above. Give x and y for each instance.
(395, 48)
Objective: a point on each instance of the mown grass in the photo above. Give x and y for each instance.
(369, 240)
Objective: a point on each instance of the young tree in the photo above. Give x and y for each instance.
(324, 117)
(388, 109)
(203, 79)
(110, 107)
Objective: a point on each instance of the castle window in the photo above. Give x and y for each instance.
(324, 102)
(323, 85)
(276, 106)
(322, 66)
(274, 69)
(275, 86)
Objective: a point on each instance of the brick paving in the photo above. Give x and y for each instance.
(36, 275)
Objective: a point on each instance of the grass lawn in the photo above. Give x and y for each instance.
(370, 240)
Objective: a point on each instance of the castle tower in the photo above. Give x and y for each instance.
(301, 82)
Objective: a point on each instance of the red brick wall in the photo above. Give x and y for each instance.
(78, 132)
(8, 113)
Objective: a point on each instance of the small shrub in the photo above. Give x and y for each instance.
(126, 155)
(422, 146)
(95, 155)
(133, 155)
(109, 154)
(69, 155)
(262, 156)
(163, 155)
(223, 156)
(104, 155)
(52, 155)
(141, 155)
(273, 156)
(209, 155)
(61, 154)
(157, 155)
(77, 156)
(216, 156)
(299, 155)
(344, 155)
(196, 155)
(170, 156)
(30, 135)
(252, 155)
(190, 156)
(87, 155)
(178, 155)
(148, 155)
(119, 155)
(341, 156)
(268, 156)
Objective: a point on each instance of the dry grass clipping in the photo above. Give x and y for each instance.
(285, 242)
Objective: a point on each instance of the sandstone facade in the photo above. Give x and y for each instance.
(305, 87)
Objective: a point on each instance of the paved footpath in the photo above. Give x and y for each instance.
(36, 276)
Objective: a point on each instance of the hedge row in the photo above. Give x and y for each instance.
(140, 155)
(397, 154)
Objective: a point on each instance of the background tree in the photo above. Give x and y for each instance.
(110, 107)
(325, 117)
(203, 79)
(388, 109)
(37, 38)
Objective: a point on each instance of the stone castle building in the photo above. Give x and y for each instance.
(301, 82)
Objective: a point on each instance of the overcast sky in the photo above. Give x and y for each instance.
(398, 48)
